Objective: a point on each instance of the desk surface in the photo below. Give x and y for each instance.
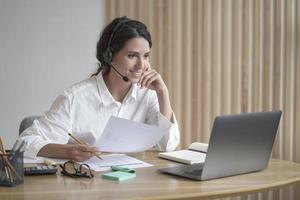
(150, 184)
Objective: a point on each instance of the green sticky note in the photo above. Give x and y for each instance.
(118, 176)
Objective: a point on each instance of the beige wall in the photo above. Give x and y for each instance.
(225, 56)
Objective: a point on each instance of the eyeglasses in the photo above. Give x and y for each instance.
(72, 169)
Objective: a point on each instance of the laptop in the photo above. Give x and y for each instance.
(238, 144)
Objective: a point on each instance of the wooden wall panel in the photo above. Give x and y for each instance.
(225, 56)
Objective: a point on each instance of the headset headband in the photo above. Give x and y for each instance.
(120, 23)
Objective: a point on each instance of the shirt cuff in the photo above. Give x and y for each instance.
(33, 149)
(165, 123)
(170, 140)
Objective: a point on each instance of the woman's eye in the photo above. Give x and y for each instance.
(131, 56)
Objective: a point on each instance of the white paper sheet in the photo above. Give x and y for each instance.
(125, 136)
(115, 160)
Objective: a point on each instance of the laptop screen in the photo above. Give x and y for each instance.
(240, 143)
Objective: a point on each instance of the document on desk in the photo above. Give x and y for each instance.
(115, 160)
(125, 136)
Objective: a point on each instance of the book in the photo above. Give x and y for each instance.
(195, 153)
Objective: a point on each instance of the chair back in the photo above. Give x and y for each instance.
(27, 122)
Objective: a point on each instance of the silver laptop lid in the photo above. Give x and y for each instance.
(240, 144)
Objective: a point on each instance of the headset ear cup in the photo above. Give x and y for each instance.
(107, 56)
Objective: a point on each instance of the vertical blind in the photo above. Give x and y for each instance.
(223, 57)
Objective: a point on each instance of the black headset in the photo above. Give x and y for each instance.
(108, 53)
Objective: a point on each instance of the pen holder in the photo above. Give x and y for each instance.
(11, 169)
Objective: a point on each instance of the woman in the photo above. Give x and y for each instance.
(125, 86)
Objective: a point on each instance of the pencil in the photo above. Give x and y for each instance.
(81, 142)
(77, 140)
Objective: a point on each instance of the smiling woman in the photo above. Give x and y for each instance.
(132, 90)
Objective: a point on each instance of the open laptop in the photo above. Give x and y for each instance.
(238, 144)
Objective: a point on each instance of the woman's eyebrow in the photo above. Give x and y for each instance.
(133, 52)
(136, 52)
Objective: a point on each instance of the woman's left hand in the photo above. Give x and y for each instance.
(152, 79)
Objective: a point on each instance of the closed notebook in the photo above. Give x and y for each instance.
(196, 153)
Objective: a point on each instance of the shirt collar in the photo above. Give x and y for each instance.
(106, 96)
(132, 92)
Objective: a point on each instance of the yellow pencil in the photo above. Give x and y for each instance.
(77, 140)
(81, 142)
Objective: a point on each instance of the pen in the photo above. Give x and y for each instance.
(122, 169)
(81, 142)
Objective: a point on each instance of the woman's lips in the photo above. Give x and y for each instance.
(136, 73)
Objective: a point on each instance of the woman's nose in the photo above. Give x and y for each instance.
(140, 63)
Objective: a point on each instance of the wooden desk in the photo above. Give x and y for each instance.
(150, 184)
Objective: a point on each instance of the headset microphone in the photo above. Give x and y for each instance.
(125, 78)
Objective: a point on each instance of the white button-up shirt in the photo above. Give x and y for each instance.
(85, 108)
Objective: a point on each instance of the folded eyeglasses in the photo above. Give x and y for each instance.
(75, 170)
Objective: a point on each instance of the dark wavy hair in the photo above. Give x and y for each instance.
(127, 30)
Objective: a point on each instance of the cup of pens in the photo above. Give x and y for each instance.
(11, 167)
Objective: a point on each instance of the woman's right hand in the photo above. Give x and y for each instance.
(76, 152)
(79, 152)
